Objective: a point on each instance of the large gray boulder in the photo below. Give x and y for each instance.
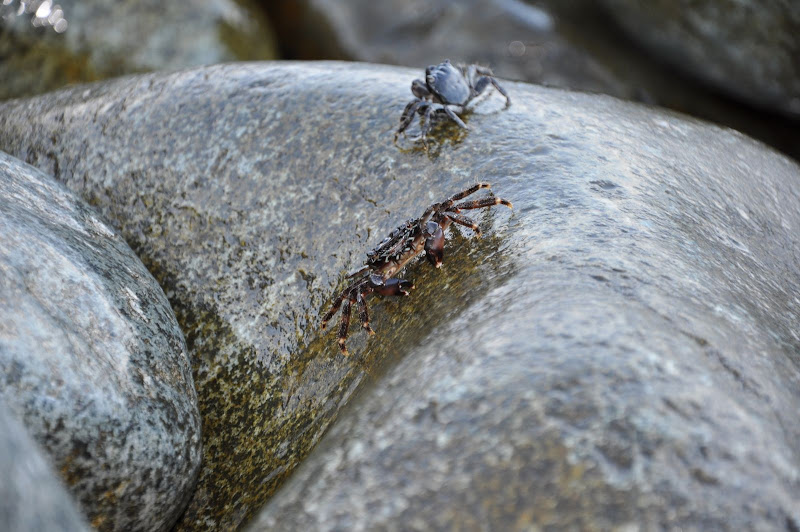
(32, 498)
(46, 44)
(91, 357)
(624, 341)
(748, 49)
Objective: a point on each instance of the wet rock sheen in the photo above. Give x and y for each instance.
(745, 48)
(91, 358)
(620, 349)
(32, 498)
(55, 43)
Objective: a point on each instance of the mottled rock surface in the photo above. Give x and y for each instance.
(624, 340)
(56, 42)
(32, 497)
(92, 360)
(746, 48)
(632, 361)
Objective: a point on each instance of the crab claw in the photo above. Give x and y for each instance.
(395, 287)
(419, 89)
(434, 244)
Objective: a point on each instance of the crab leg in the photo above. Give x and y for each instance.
(408, 115)
(481, 85)
(426, 127)
(338, 301)
(481, 203)
(488, 77)
(463, 220)
(344, 325)
(434, 246)
(334, 307)
(454, 117)
(464, 193)
(446, 204)
(356, 274)
(363, 313)
(501, 90)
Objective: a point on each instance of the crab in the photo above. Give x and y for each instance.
(388, 258)
(447, 89)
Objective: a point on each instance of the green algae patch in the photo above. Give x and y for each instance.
(258, 425)
(255, 430)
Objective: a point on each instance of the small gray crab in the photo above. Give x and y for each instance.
(447, 89)
(411, 238)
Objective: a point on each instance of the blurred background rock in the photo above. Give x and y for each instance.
(730, 62)
(45, 44)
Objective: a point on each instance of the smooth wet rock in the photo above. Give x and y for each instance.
(573, 44)
(745, 48)
(56, 42)
(91, 358)
(624, 341)
(32, 497)
(632, 361)
(518, 40)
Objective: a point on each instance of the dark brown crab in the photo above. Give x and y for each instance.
(396, 250)
(447, 89)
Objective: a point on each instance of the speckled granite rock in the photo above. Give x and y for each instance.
(91, 358)
(32, 498)
(56, 42)
(518, 40)
(625, 336)
(746, 48)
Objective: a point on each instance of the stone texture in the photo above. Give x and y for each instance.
(104, 38)
(32, 498)
(91, 357)
(748, 49)
(624, 341)
(573, 44)
(629, 360)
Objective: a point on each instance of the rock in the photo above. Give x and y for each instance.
(627, 357)
(572, 44)
(745, 48)
(54, 43)
(91, 357)
(32, 499)
(627, 333)
(518, 40)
